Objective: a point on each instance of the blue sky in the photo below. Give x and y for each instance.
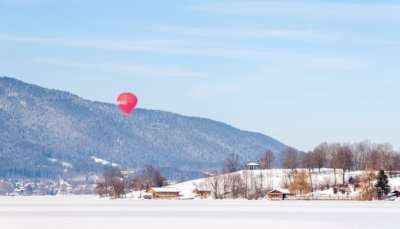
(301, 71)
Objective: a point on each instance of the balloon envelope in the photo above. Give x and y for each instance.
(127, 102)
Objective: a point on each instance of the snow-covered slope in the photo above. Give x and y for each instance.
(278, 179)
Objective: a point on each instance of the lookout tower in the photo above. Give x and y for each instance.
(253, 166)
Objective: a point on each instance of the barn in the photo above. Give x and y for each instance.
(163, 193)
(276, 195)
(202, 193)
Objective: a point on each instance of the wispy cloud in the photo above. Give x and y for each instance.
(139, 70)
(312, 63)
(246, 33)
(206, 91)
(301, 8)
(167, 47)
(91, 43)
(198, 50)
(22, 2)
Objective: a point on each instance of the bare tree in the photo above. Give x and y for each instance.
(290, 158)
(215, 183)
(360, 153)
(111, 183)
(138, 184)
(232, 163)
(308, 163)
(261, 176)
(237, 185)
(267, 160)
(373, 160)
(152, 177)
(246, 180)
(395, 162)
(319, 158)
(101, 188)
(386, 153)
(344, 160)
(118, 188)
(226, 186)
(333, 159)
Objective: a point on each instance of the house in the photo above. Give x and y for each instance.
(276, 195)
(163, 193)
(212, 174)
(253, 166)
(202, 193)
(394, 194)
(6, 188)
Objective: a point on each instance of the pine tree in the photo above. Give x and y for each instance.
(382, 184)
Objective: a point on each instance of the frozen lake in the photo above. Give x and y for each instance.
(90, 212)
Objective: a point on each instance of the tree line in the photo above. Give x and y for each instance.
(363, 156)
(339, 157)
(342, 158)
(114, 183)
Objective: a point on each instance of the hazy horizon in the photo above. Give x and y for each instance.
(302, 72)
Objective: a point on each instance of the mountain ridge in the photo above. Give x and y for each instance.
(7, 78)
(55, 124)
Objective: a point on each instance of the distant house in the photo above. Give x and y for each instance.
(204, 194)
(276, 195)
(163, 193)
(64, 187)
(252, 166)
(6, 188)
(212, 173)
(394, 194)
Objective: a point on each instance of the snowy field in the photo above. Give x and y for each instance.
(81, 212)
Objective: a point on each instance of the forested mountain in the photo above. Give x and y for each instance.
(47, 133)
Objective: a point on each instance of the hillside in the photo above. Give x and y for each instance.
(49, 132)
(274, 179)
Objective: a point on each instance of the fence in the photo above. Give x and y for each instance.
(321, 197)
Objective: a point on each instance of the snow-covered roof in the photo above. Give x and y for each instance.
(253, 164)
(284, 191)
(166, 189)
(275, 191)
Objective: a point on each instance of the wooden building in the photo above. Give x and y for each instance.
(204, 194)
(276, 195)
(163, 193)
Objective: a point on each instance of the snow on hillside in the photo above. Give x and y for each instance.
(39, 124)
(63, 163)
(103, 162)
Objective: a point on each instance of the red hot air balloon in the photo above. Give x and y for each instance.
(127, 102)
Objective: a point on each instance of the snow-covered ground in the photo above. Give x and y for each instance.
(276, 179)
(83, 212)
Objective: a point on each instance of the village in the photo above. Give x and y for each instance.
(261, 185)
(253, 183)
(330, 172)
(276, 185)
(359, 171)
(81, 185)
